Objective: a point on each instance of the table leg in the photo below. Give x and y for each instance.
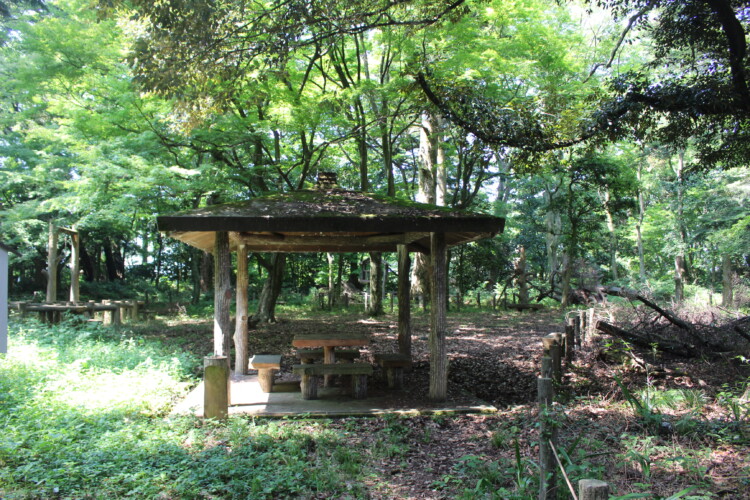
(329, 357)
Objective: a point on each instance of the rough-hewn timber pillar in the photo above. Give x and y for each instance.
(240, 330)
(404, 301)
(222, 294)
(438, 323)
(52, 264)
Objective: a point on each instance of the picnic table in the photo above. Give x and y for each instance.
(329, 342)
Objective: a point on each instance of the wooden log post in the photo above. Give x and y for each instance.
(582, 316)
(216, 387)
(438, 324)
(552, 347)
(107, 315)
(359, 386)
(577, 328)
(222, 294)
(569, 340)
(240, 331)
(309, 386)
(116, 314)
(590, 325)
(547, 434)
(546, 370)
(52, 264)
(592, 489)
(404, 301)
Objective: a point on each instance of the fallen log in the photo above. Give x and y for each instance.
(683, 350)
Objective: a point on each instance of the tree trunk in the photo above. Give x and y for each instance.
(195, 275)
(521, 277)
(222, 295)
(159, 253)
(376, 284)
(679, 274)
(207, 267)
(680, 262)
(612, 233)
(438, 324)
(638, 226)
(75, 266)
(727, 292)
(266, 312)
(331, 280)
(52, 264)
(420, 277)
(404, 302)
(553, 223)
(441, 174)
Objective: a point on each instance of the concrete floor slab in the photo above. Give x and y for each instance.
(286, 401)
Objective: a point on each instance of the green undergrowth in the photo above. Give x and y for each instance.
(84, 412)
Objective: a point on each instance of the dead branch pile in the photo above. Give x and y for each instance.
(691, 334)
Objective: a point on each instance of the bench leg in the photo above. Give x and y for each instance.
(309, 386)
(359, 386)
(265, 377)
(395, 377)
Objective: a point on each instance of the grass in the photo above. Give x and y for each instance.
(84, 413)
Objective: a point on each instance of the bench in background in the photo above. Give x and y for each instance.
(311, 374)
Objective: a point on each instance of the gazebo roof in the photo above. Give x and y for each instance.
(327, 220)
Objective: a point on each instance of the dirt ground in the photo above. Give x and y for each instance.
(495, 356)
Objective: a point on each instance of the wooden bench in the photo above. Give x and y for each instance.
(266, 364)
(394, 364)
(310, 355)
(311, 374)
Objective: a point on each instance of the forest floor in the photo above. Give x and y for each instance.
(692, 430)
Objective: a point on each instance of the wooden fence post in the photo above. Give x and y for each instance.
(215, 387)
(592, 489)
(552, 345)
(547, 434)
(590, 325)
(569, 340)
(577, 328)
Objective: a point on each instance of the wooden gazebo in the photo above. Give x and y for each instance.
(330, 219)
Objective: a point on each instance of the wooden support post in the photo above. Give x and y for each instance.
(359, 386)
(309, 386)
(216, 387)
(439, 325)
(404, 301)
(592, 489)
(52, 264)
(577, 328)
(547, 433)
(569, 340)
(240, 330)
(222, 294)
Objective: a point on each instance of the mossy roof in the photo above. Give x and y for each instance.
(327, 220)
